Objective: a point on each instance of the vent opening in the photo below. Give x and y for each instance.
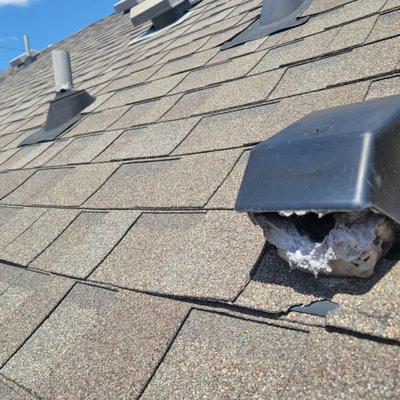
(337, 244)
(65, 110)
(275, 16)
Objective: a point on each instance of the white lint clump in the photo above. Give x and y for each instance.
(351, 247)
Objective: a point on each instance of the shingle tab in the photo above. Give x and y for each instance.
(230, 94)
(97, 342)
(384, 87)
(26, 300)
(188, 254)
(30, 243)
(24, 156)
(183, 182)
(153, 140)
(386, 25)
(84, 149)
(372, 306)
(353, 65)
(212, 74)
(237, 358)
(97, 122)
(226, 195)
(9, 181)
(145, 113)
(85, 243)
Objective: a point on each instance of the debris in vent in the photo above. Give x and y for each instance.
(337, 244)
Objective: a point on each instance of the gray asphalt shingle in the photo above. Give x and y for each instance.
(206, 255)
(217, 356)
(26, 299)
(85, 243)
(97, 344)
(188, 181)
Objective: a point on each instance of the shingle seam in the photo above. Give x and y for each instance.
(37, 326)
(16, 187)
(169, 345)
(127, 230)
(49, 244)
(252, 271)
(26, 229)
(223, 181)
(362, 336)
(20, 386)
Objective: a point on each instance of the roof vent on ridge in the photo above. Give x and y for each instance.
(26, 58)
(275, 16)
(124, 6)
(161, 12)
(65, 109)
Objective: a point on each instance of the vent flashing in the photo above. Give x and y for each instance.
(275, 16)
(65, 110)
(26, 58)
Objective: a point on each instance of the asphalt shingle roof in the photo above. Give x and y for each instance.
(125, 271)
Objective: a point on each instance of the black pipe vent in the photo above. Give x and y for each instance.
(276, 16)
(65, 110)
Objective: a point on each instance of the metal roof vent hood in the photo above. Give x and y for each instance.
(65, 109)
(26, 58)
(275, 16)
(124, 6)
(161, 12)
(335, 172)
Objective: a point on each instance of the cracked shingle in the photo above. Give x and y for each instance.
(239, 358)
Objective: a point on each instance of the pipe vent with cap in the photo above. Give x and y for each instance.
(26, 58)
(161, 12)
(275, 16)
(65, 110)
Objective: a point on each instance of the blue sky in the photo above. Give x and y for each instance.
(45, 21)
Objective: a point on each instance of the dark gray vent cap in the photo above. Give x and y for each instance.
(341, 159)
(276, 16)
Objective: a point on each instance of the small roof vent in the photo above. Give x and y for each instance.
(325, 190)
(124, 6)
(65, 110)
(275, 16)
(340, 159)
(26, 58)
(161, 12)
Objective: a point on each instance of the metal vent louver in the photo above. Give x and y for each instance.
(276, 16)
(65, 109)
(161, 12)
(344, 159)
